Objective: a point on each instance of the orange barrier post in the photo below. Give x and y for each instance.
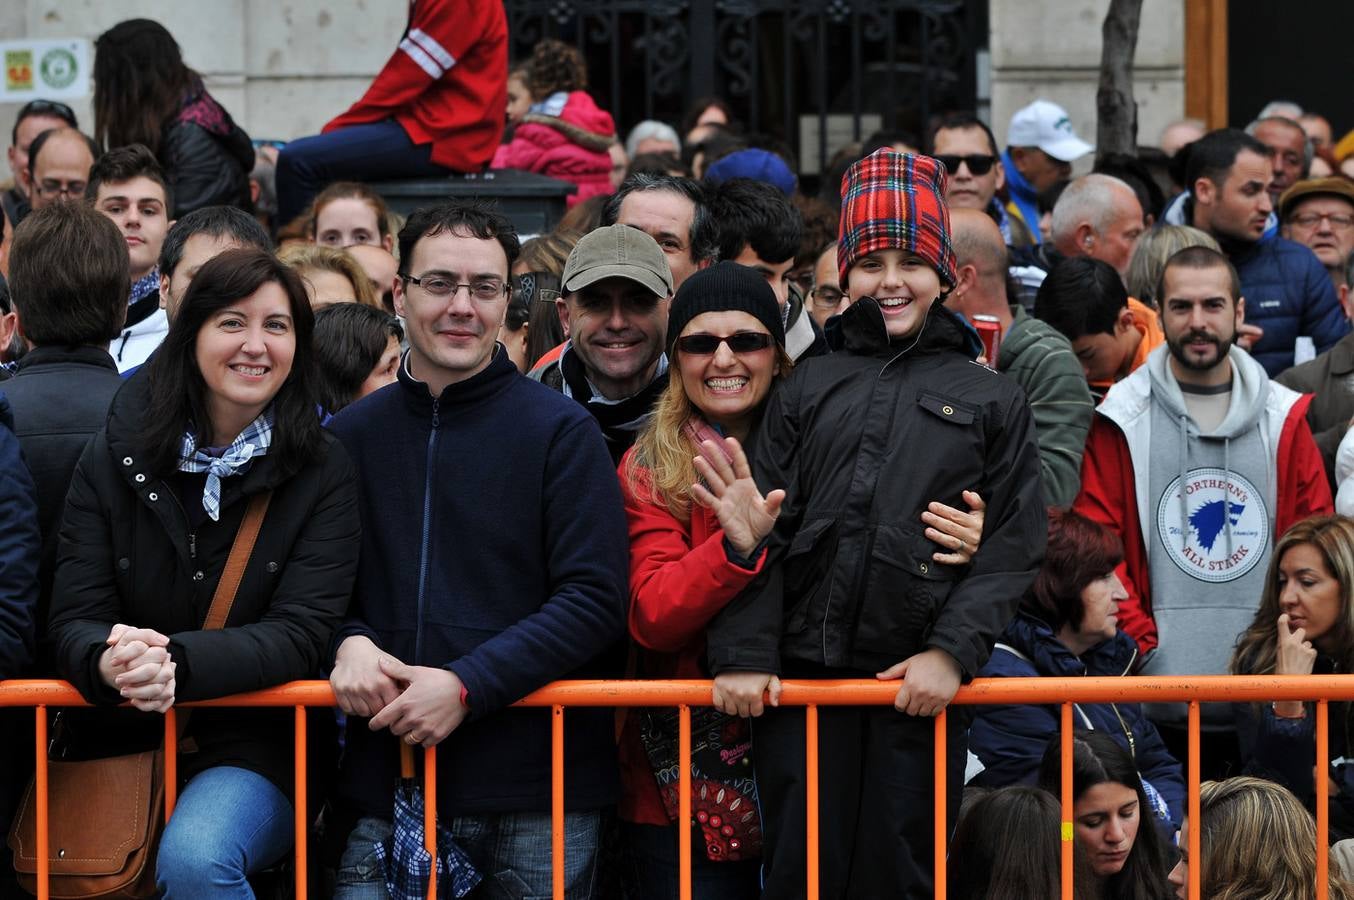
(1192, 792)
(299, 802)
(556, 800)
(811, 799)
(171, 761)
(1065, 795)
(684, 802)
(40, 785)
(1322, 800)
(430, 814)
(938, 816)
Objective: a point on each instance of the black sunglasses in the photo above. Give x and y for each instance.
(978, 163)
(47, 108)
(739, 342)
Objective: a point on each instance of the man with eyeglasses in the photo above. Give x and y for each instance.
(59, 161)
(35, 117)
(494, 561)
(826, 297)
(1319, 214)
(615, 294)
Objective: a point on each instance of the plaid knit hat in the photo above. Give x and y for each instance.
(893, 200)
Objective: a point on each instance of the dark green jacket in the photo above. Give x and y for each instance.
(1041, 361)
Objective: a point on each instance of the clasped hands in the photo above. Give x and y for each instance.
(419, 704)
(137, 665)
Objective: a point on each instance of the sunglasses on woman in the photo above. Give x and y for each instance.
(739, 342)
(978, 163)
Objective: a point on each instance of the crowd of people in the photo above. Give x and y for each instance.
(958, 414)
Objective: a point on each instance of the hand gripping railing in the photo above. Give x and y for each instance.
(42, 694)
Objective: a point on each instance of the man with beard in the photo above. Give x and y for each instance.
(1288, 293)
(1197, 461)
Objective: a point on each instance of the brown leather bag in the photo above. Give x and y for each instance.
(105, 816)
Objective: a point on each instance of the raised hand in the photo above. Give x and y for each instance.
(958, 532)
(730, 493)
(1295, 655)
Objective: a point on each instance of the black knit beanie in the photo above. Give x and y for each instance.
(723, 287)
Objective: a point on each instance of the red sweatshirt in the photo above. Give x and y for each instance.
(680, 578)
(446, 84)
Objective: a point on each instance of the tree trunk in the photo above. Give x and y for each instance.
(1117, 113)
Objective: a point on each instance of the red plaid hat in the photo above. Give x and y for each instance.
(893, 200)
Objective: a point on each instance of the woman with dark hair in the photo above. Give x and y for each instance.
(1304, 626)
(1066, 628)
(144, 94)
(222, 420)
(1006, 847)
(1129, 862)
(357, 351)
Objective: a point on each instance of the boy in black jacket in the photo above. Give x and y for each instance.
(862, 440)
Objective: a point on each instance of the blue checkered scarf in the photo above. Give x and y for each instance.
(254, 441)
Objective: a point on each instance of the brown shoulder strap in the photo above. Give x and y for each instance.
(240, 551)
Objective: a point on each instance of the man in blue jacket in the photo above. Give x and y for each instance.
(1288, 293)
(493, 562)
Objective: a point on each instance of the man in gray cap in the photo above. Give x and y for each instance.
(614, 309)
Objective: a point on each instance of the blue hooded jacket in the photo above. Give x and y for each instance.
(1010, 740)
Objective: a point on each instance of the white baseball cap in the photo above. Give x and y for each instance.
(1045, 125)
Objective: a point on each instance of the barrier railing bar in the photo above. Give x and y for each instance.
(1065, 801)
(684, 825)
(44, 693)
(1113, 689)
(40, 785)
(939, 818)
(811, 801)
(171, 762)
(1192, 773)
(299, 801)
(1322, 800)
(430, 813)
(556, 799)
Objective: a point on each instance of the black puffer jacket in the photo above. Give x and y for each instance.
(127, 555)
(862, 440)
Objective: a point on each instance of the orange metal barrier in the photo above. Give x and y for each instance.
(42, 694)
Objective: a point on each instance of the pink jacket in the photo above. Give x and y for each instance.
(571, 145)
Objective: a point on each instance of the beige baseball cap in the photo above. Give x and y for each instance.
(617, 251)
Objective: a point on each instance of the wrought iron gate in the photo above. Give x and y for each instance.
(813, 73)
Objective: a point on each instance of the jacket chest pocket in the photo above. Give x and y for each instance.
(902, 594)
(806, 566)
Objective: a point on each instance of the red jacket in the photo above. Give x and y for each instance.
(570, 144)
(1109, 496)
(680, 578)
(446, 84)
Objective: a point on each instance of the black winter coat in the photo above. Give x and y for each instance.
(862, 440)
(127, 555)
(60, 398)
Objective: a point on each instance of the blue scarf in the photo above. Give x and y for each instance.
(235, 460)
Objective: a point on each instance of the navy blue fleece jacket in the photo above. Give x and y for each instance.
(494, 545)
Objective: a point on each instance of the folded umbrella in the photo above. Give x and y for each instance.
(407, 862)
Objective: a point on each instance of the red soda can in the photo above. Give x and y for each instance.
(989, 329)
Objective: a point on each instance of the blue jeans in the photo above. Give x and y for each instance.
(511, 851)
(227, 824)
(361, 153)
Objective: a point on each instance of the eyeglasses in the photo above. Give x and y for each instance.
(442, 286)
(739, 342)
(50, 187)
(978, 163)
(1338, 221)
(826, 297)
(47, 108)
